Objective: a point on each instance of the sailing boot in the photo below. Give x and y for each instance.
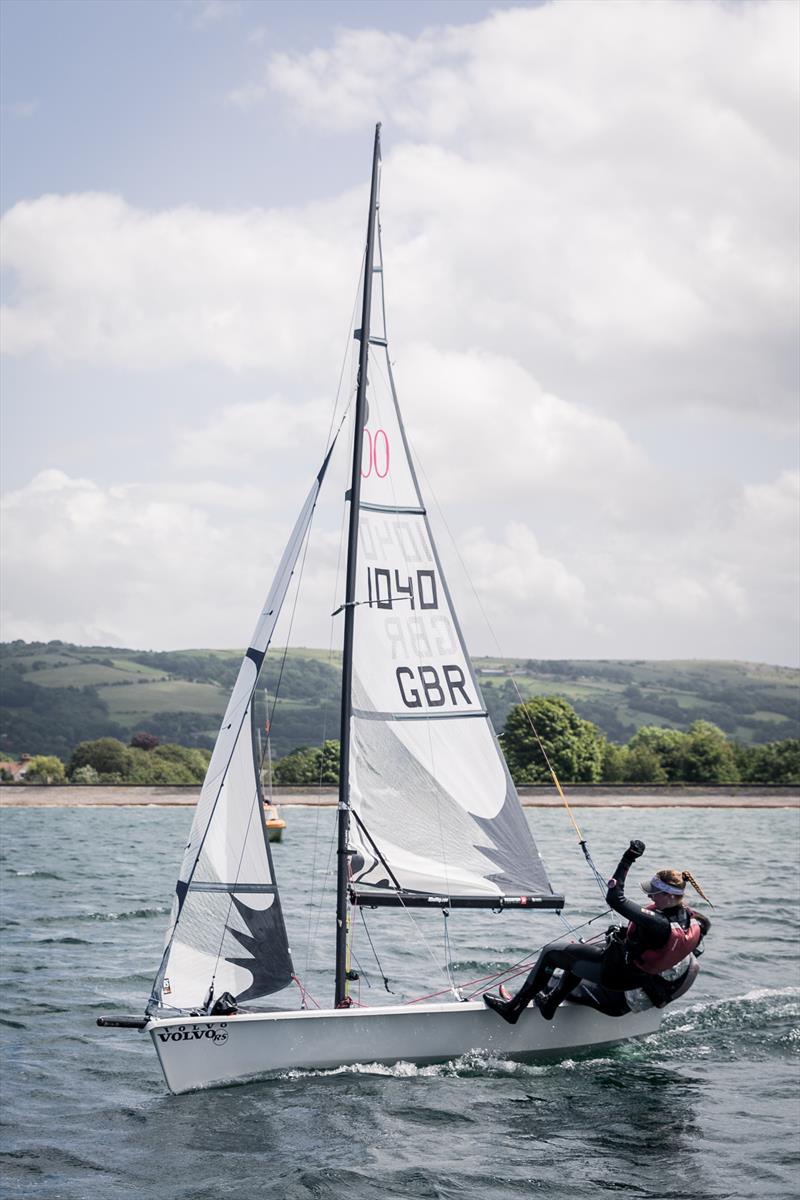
(548, 1002)
(511, 1010)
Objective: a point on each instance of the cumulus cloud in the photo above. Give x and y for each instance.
(481, 417)
(721, 585)
(188, 563)
(241, 432)
(100, 281)
(722, 582)
(513, 575)
(610, 191)
(161, 565)
(589, 221)
(606, 192)
(621, 180)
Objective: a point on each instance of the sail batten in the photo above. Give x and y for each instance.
(392, 508)
(368, 715)
(234, 887)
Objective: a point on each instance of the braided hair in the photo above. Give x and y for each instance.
(679, 879)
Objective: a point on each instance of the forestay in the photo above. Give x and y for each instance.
(435, 810)
(227, 932)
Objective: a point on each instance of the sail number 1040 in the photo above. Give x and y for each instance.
(385, 588)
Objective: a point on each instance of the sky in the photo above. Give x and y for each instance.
(589, 215)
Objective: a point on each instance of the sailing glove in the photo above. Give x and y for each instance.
(635, 850)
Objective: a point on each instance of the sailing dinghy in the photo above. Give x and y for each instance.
(428, 816)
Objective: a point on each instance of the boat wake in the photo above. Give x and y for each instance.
(760, 1024)
(467, 1065)
(133, 914)
(32, 873)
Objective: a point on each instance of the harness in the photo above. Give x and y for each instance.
(684, 938)
(669, 971)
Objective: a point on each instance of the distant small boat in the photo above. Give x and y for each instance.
(274, 822)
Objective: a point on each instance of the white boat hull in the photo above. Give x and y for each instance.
(198, 1052)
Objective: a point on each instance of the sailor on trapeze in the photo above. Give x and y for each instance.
(650, 964)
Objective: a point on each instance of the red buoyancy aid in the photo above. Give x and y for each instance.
(681, 943)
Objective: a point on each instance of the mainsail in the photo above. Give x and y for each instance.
(227, 932)
(434, 809)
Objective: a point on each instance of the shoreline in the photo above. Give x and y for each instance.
(544, 796)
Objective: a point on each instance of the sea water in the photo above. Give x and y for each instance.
(707, 1108)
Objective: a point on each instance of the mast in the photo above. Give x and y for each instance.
(342, 872)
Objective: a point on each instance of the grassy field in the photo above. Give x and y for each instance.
(128, 704)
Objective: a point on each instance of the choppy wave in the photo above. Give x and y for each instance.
(62, 941)
(479, 1127)
(130, 914)
(32, 873)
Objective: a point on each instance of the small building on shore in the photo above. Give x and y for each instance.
(11, 771)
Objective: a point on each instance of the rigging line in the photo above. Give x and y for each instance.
(383, 282)
(362, 974)
(422, 940)
(352, 957)
(448, 956)
(257, 795)
(326, 875)
(288, 634)
(362, 827)
(521, 965)
(305, 992)
(524, 964)
(517, 968)
(551, 769)
(392, 600)
(378, 962)
(333, 835)
(345, 357)
(348, 346)
(331, 636)
(325, 704)
(271, 713)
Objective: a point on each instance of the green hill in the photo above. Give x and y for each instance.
(750, 702)
(53, 695)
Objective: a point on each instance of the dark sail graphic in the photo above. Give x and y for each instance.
(268, 957)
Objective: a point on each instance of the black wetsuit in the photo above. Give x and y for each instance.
(619, 972)
(599, 976)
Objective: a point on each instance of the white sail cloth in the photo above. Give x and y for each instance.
(227, 932)
(436, 810)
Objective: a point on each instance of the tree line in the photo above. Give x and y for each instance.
(541, 736)
(145, 760)
(546, 732)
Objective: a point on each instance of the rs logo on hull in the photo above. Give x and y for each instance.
(216, 1034)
